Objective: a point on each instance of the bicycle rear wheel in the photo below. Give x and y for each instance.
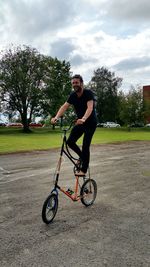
(88, 192)
(49, 209)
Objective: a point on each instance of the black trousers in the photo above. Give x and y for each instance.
(76, 133)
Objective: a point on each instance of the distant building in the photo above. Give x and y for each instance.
(146, 98)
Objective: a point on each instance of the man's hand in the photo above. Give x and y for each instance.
(54, 120)
(80, 121)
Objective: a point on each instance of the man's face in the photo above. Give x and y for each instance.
(77, 85)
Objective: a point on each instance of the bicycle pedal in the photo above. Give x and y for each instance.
(70, 191)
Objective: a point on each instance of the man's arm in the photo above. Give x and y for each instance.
(88, 112)
(60, 112)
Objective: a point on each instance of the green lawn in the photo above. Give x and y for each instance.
(121, 135)
(12, 140)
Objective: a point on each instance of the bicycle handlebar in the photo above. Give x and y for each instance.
(69, 127)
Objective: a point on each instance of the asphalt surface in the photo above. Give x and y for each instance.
(114, 231)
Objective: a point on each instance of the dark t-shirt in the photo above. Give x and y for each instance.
(80, 105)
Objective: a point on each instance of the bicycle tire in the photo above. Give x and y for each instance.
(49, 209)
(88, 192)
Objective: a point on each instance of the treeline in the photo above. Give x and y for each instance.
(33, 85)
(114, 104)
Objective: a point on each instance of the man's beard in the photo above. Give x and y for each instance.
(77, 89)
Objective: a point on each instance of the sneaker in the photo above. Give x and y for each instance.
(78, 163)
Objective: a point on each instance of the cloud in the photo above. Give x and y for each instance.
(129, 11)
(32, 19)
(88, 33)
(77, 60)
(62, 48)
(133, 63)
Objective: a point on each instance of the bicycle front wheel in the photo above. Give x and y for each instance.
(88, 192)
(49, 209)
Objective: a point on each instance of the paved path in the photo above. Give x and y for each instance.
(114, 232)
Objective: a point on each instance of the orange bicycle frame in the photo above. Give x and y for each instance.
(75, 196)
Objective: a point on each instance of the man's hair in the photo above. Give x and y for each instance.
(78, 76)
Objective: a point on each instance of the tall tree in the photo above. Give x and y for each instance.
(57, 85)
(131, 106)
(106, 88)
(21, 72)
(1, 104)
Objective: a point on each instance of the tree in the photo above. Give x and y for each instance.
(1, 104)
(123, 118)
(131, 106)
(106, 86)
(3, 107)
(21, 73)
(57, 85)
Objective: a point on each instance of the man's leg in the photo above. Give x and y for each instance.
(88, 134)
(75, 134)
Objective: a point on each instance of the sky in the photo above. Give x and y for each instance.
(90, 34)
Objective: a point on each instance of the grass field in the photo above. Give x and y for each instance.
(14, 140)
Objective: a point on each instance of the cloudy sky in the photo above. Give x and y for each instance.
(87, 33)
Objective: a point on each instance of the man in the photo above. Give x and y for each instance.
(83, 102)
